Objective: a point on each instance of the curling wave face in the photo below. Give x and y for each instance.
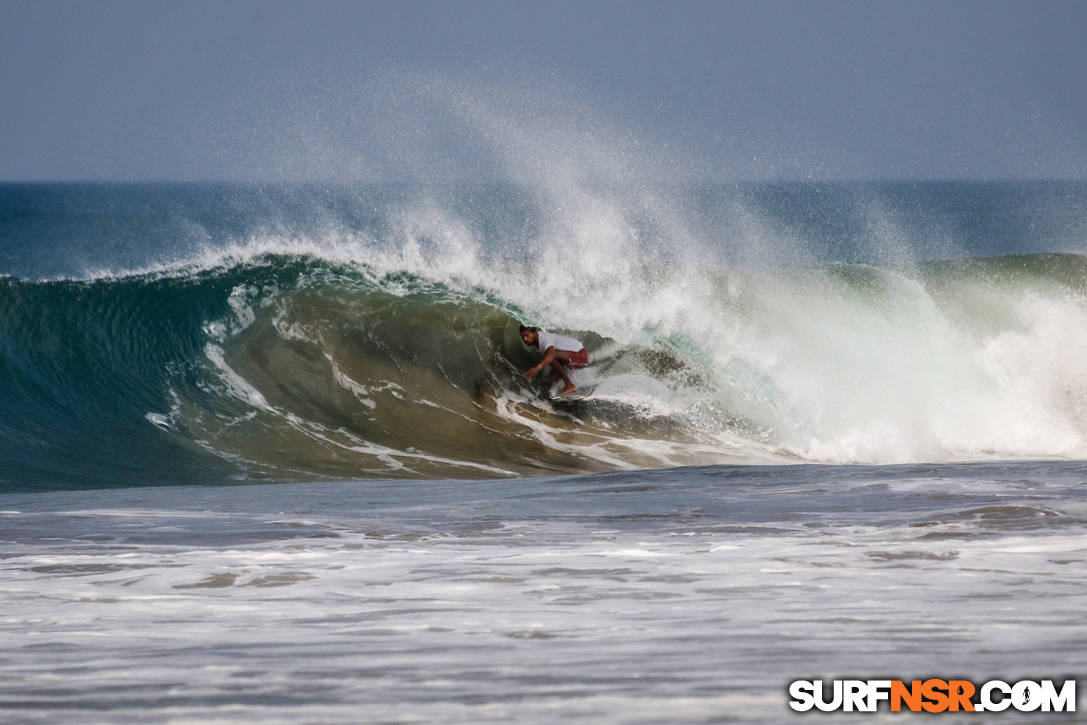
(307, 365)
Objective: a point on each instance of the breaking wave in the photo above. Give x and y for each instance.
(284, 360)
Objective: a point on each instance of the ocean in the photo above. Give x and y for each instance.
(267, 453)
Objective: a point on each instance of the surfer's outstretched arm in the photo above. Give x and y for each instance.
(556, 359)
(535, 369)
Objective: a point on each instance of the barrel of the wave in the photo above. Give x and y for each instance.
(562, 354)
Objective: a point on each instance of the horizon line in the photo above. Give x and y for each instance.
(508, 182)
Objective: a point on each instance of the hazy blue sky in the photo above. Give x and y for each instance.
(339, 90)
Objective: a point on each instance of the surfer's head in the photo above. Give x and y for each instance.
(530, 335)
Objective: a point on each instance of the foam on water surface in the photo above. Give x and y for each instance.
(672, 596)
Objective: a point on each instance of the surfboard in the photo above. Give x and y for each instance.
(579, 394)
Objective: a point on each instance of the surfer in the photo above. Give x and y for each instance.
(559, 352)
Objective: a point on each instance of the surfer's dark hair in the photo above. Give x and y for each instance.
(526, 328)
